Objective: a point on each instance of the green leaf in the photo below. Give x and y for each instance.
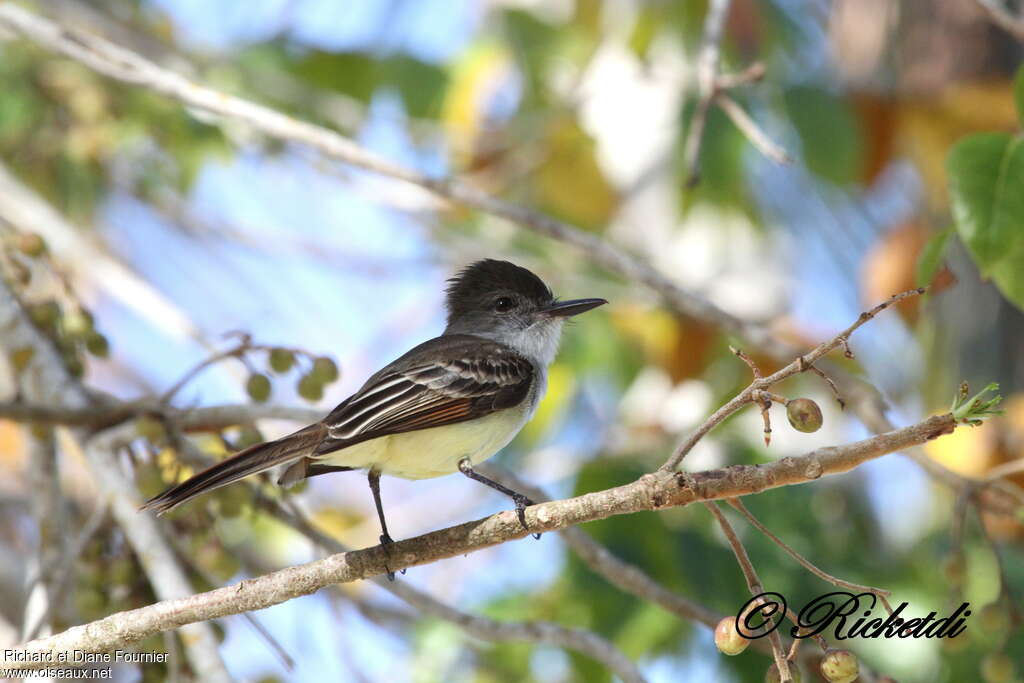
(986, 177)
(931, 257)
(829, 133)
(1018, 94)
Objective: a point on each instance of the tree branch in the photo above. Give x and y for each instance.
(654, 491)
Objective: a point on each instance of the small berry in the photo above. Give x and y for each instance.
(728, 639)
(311, 388)
(258, 387)
(97, 345)
(325, 369)
(804, 414)
(281, 360)
(840, 666)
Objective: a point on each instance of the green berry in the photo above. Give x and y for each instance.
(311, 388)
(325, 369)
(76, 324)
(45, 314)
(258, 387)
(804, 414)
(281, 360)
(97, 345)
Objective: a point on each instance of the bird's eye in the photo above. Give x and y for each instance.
(503, 304)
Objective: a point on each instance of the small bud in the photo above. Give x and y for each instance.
(325, 369)
(258, 387)
(311, 388)
(773, 675)
(728, 639)
(281, 360)
(804, 414)
(840, 666)
(97, 345)
(31, 244)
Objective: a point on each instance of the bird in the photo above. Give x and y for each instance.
(443, 407)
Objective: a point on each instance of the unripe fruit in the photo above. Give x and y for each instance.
(804, 414)
(311, 388)
(258, 387)
(45, 314)
(97, 345)
(325, 369)
(76, 324)
(728, 639)
(840, 666)
(281, 360)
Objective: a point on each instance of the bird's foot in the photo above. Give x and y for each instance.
(522, 502)
(385, 541)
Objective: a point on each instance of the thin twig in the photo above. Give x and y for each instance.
(707, 72)
(807, 564)
(753, 132)
(1003, 18)
(799, 365)
(753, 583)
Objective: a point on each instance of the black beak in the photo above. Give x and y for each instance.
(566, 309)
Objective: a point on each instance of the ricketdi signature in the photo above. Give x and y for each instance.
(851, 616)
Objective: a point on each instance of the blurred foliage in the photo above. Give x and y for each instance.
(507, 109)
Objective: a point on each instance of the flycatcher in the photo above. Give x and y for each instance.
(445, 406)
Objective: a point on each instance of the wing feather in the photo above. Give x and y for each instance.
(463, 378)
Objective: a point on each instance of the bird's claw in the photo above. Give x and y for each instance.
(385, 541)
(522, 502)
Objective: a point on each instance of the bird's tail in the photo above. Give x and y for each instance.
(249, 461)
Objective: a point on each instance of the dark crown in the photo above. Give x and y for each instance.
(470, 288)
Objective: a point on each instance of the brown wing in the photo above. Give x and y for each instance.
(447, 380)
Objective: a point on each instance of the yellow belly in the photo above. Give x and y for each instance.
(433, 452)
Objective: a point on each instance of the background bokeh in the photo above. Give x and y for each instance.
(178, 229)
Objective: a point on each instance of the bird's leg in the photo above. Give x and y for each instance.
(521, 501)
(385, 539)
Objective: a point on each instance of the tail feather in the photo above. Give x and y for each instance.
(244, 463)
